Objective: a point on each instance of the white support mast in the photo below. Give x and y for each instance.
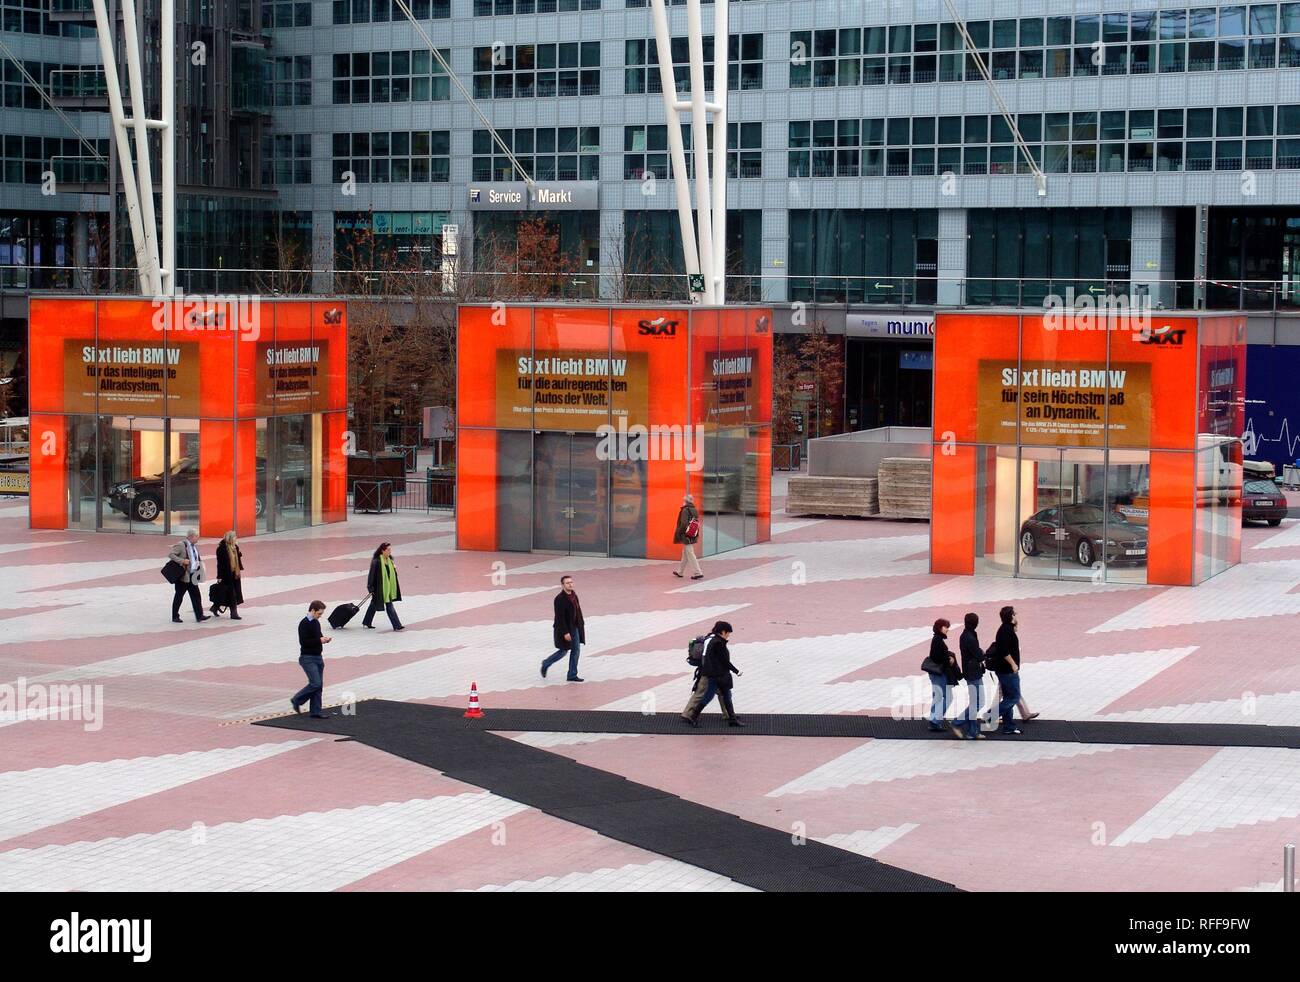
(704, 239)
(157, 272)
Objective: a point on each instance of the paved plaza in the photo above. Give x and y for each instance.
(174, 789)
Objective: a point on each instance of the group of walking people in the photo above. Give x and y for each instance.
(185, 570)
(977, 666)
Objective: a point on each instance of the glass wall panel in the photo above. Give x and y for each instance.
(183, 475)
(996, 522)
(85, 477)
(514, 492)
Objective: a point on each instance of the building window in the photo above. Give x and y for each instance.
(1111, 141)
(641, 61)
(1204, 39)
(286, 159)
(371, 240)
(290, 80)
(744, 149)
(567, 153)
(24, 159)
(505, 8)
(526, 71)
(286, 13)
(382, 11)
(390, 76)
(393, 158)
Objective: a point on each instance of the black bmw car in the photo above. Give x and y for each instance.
(142, 498)
(1086, 534)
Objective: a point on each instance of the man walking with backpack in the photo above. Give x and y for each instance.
(713, 677)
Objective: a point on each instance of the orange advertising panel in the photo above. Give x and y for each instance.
(150, 365)
(615, 381)
(131, 379)
(571, 390)
(1085, 405)
(1119, 437)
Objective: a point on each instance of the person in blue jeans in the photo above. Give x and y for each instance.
(311, 643)
(940, 686)
(569, 629)
(1008, 670)
(972, 670)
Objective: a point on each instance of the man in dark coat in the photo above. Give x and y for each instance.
(716, 667)
(569, 629)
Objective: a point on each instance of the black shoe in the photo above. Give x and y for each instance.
(371, 626)
(235, 617)
(216, 611)
(691, 721)
(296, 707)
(400, 627)
(205, 617)
(575, 679)
(323, 715)
(543, 669)
(177, 620)
(734, 722)
(698, 576)
(677, 574)
(1010, 732)
(934, 728)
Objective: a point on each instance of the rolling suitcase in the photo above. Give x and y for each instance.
(343, 613)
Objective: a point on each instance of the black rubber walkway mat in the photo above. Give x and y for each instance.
(649, 818)
(884, 728)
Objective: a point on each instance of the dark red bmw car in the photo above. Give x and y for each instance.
(1262, 501)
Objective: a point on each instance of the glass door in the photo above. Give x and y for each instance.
(288, 477)
(133, 478)
(1042, 499)
(83, 473)
(570, 495)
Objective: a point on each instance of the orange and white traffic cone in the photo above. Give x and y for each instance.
(473, 712)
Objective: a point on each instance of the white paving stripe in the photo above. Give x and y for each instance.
(269, 635)
(1286, 537)
(966, 591)
(433, 546)
(792, 676)
(315, 851)
(506, 657)
(868, 842)
(1241, 593)
(1274, 709)
(818, 562)
(35, 799)
(548, 740)
(18, 583)
(896, 760)
(660, 876)
(1237, 786)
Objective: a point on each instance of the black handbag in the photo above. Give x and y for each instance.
(953, 674)
(931, 667)
(173, 572)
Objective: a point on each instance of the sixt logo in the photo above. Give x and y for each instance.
(1165, 335)
(660, 327)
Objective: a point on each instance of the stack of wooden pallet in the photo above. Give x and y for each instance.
(853, 497)
(904, 487)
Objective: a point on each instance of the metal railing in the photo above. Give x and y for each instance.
(885, 291)
(374, 497)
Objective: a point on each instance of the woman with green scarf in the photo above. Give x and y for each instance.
(383, 586)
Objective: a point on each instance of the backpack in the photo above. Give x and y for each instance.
(693, 529)
(695, 651)
(991, 657)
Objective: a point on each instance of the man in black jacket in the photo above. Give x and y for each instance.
(310, 657)
(972, 670)
(715, 665)
(569, 629)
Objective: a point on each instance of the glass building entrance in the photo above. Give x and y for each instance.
(1049, 513)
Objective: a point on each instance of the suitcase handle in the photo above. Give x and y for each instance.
(362, 600)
